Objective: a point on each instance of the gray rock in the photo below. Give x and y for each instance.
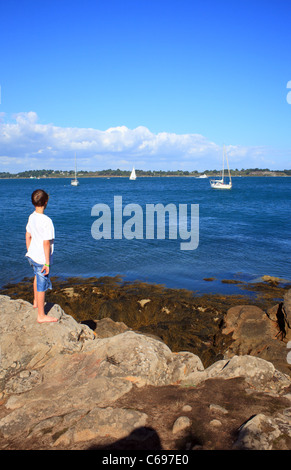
(215, 423)
(257, 333)
(287, 308)
(58, 369)
(187, 408)
(218, 409)
(60, 379)
(182, 423)
(107, 327)
(143, 359)
(258, 373)
(33, 343)
(117, 423)
(265, 433)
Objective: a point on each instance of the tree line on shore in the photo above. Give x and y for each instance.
(126, 173)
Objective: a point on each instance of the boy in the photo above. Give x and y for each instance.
(40, 234)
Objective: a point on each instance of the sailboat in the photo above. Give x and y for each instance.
(132, 175)
(221, 184)
(75, 182)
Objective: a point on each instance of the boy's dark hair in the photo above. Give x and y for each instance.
(39, 198)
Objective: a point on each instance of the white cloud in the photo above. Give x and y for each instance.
(26, 144)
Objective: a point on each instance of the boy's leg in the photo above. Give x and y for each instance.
(34, 293)
(42, 317)
(39, 295)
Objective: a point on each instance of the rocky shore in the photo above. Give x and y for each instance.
(136, 366)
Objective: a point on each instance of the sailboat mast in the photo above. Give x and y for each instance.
(229, 175)
(223, 165)
(75, 166)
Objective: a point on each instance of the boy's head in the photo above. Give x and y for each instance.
(39, 198)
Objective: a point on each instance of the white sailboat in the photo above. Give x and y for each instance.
(132, 175)
(221, 184)
(75, 182)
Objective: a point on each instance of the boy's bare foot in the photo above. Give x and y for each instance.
(46, 319)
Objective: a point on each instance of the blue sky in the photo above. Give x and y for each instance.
(156, 84)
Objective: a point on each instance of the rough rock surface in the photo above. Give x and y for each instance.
(261, 431)
(257, 333)
(257, 373)
(287, 307)
(62, 386)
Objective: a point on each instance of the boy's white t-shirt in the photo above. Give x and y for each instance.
(41, 228)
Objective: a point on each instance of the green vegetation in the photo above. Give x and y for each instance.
(140, 173)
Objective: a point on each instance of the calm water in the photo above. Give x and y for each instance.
(243, 233)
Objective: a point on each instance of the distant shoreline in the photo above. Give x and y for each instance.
(118, 173)
(139, 176)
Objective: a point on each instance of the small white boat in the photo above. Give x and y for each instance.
(221, 183)
(75, 182)
(132, 175)
(202, 176)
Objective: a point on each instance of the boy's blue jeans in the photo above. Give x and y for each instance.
(43, 281)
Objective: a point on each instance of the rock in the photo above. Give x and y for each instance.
(265, 433)
(183, 364)
(62, 384)
(215, 423)
(143, 302)
(34, 343)
(99, 422)
(256, 333)
(218, 409)
(257, 373)
(281, 314)
(287, 307)
(23, 382)
(272, 279)
(250, 328)
(272, 313)
(187, 408)
(182, 423)
(48, 360)
(179, 325)
(107, 327)
(69, 291)
(166, 310)
(147, 360)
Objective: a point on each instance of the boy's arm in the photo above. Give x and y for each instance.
(47, 252)
(27, 239)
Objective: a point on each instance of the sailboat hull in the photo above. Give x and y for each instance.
(219, 185)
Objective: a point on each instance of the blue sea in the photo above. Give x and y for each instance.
(244, 233)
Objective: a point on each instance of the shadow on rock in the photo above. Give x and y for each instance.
(143, 438)
(48, 306)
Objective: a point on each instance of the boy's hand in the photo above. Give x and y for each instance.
(46, 269)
